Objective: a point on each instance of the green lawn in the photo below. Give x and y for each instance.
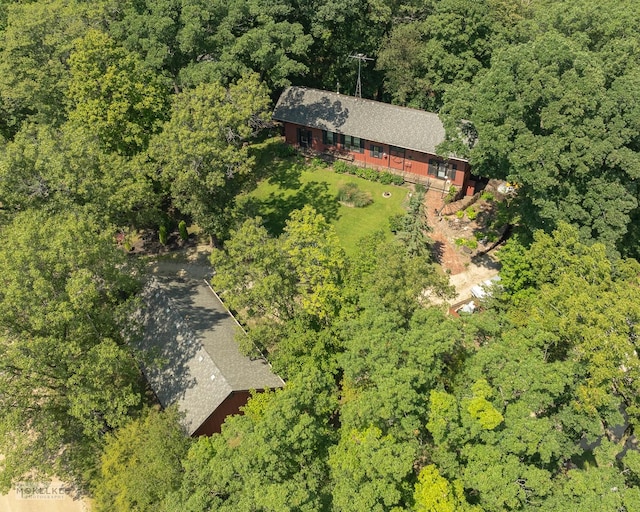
(293, 186)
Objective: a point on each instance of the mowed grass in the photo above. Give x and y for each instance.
(294, 185)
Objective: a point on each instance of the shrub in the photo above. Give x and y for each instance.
(284, 150)
(492, 236)
(487, 196)
(351, 194)
(371, 175)
(420, 188)
(341, 167)
(162, 234)
(471, 243)
(471, 213)
(460, 214)
(397, 222)
(386, 178)
(451, 195)
(362, 199)
(360, 172)
(397, 180)
(182, 227)
(318, 163)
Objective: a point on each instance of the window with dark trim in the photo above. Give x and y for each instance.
(329, 138)
(441, 169)
(375, 151)
(305, 138)
(354, 144)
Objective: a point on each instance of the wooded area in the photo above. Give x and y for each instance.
(120, 116)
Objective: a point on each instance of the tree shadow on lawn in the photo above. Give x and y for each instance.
(276, 208)
(286, 175)
(275, 163)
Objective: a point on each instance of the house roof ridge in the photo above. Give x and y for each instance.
(375, 121)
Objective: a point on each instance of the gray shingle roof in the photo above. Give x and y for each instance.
(371, 120)
(197, 364)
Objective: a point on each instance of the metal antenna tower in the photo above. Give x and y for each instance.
(361, 57)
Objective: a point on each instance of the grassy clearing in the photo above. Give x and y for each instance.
(294, 185)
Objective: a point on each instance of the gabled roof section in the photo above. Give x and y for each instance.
(196, 362)
(404, 127)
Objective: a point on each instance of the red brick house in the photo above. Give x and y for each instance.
(372, 134)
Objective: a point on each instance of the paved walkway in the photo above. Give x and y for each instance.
(445, 253)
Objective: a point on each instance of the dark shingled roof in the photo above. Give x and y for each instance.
(370, 120)
(197, 364)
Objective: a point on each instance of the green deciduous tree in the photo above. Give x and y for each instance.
(150, 29)
(66, 376)
(390, 367)
(34, 67)
(554, 115)
(433, 493)
(400, 281)
(298, 273)
(555, 372)
(588, 306)
(201, 155)
(141, 463)
(113, 95)
(452, 43)
(60, 168)
(312, 247)
(368, 471)
(254, 275)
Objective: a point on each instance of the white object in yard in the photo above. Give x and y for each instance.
(470, 307)
(482, 290)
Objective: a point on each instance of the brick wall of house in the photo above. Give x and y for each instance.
(397, 160)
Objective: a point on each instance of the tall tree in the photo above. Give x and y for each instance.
(66, 376)
(413, 228)
(452, 43)
(201, 155)
(150, 29)
(59, 168)
(298, 274)
(368, 471)
(141, 463)
(433, 493)
(556, 115)
(113, 95)
(557, 371)
(399, 281)
(274, 458)
(35, 48)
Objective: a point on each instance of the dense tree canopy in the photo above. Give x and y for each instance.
(113, 95)
(119, 116)
(201, 156)
(557, 113)
(141, 463)
(65, 375)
